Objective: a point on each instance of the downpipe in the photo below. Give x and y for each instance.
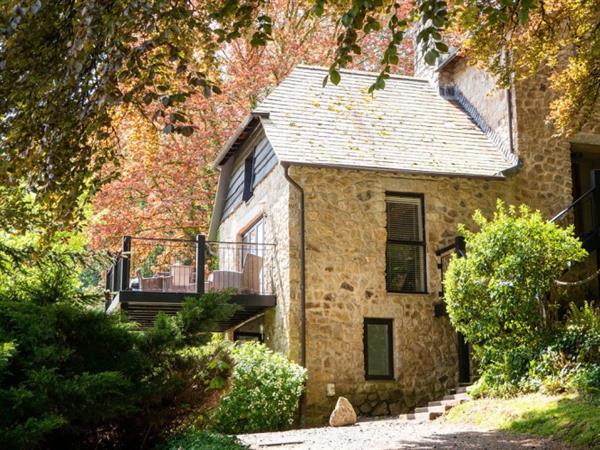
(300, 190)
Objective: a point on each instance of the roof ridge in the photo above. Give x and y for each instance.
(359, 72)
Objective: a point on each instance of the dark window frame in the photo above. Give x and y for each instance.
(390, 348)
(249, 176)
(239, 334)
(422, 243)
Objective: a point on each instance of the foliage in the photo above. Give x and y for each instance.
(566, 417)
(194, 439)
(73, 377)
(514, 40)
(75, 74)
(498, 296)
(165, 184)
(57, 270)
(265, 392)
(67, 68)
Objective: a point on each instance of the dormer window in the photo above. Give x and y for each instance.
(248, 177)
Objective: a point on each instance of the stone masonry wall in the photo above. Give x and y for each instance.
(271, 200)
(345, 267)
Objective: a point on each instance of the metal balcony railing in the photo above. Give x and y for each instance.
(194, 266)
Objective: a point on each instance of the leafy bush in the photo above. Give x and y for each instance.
(265, 391)
(586, 380)
(73, 377)
(194, 439)
(498, 296)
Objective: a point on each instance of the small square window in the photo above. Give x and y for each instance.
(378, 349)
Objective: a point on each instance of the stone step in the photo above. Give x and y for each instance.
(438, 408)
(447, 403)
(421, 416)
(462, 397)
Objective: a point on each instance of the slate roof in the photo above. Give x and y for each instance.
(407, 126)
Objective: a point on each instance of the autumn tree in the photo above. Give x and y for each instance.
(165, 184)
(67, 69)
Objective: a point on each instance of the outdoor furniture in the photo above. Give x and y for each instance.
(149, 284)
(251, 272)
(180, 279)
(219, 280)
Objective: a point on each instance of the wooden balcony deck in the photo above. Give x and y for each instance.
(143, 307)
(153, 275)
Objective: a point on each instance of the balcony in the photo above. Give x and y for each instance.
(153, 275)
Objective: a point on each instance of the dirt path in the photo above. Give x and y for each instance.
(391, 434)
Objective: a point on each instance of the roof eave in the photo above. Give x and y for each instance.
(248, 125)
(499, 176)
(452, 56)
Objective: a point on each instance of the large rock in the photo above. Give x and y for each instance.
(343, 414)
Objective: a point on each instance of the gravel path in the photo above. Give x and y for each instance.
(388, 434)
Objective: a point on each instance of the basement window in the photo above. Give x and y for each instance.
(378, 349)
(248, 177)
(405, 247)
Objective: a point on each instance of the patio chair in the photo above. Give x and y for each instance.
(220, 280)
(149, 284)
(180, 279)
(251, 272)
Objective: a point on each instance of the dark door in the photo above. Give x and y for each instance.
(464, 367)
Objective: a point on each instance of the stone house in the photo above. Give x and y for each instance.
(357, 192)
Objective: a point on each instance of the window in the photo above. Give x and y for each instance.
(405, 249)
(247, 336)
(253, 239)
(379, 356)
(248, 177)
(252, 259)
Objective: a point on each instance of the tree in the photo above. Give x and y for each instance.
(164, 185)
(498, 296)
(67, 68)
(72, 376)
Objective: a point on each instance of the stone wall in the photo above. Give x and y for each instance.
(345, 266)
(271, 200)
(345, 269)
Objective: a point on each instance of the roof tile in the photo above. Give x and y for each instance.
(407, 126)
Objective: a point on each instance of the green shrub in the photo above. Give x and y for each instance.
(194, 439)
(266, 388)
(498, 296)
(73, 377)
(586, 380)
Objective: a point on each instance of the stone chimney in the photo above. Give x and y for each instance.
(475, 90)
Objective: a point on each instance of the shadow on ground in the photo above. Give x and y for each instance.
(396, 434)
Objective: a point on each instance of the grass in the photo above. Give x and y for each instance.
(201, 440)
(566, 418)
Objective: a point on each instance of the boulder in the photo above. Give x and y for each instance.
(343, 414)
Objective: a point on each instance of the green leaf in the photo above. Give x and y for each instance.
(523, 15)
(431, 57)
(442, 47)
(334, 76)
